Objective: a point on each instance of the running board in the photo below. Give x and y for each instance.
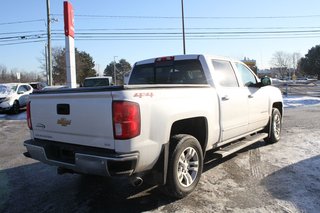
(232, 148)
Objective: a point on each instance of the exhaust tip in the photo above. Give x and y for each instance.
(27, 154)
(61, 171)
(137, 181)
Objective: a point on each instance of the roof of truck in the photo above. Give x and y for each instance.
(184, 57)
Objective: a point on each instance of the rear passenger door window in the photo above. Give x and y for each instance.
(224, 74)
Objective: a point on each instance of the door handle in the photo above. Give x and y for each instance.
(250, 96)
(225, 98)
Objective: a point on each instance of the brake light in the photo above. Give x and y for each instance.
(29, 115)
(126, 119)
(163, 59)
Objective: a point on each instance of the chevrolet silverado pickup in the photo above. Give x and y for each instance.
(162, 123)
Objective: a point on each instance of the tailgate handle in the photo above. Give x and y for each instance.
(63, 109)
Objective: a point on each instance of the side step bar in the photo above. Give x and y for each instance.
(232, 148)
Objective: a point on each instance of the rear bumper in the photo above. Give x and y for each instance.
(87, 160)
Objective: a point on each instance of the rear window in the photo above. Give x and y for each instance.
(176, 72)
(96, 82)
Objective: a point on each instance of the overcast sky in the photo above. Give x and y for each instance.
(140, 29)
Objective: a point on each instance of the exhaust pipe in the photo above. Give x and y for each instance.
(62, 171)
(136, 181)
(27, 154)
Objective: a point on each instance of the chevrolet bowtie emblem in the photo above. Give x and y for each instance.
(63, 122)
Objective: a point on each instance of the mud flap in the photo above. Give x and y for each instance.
(160, 169)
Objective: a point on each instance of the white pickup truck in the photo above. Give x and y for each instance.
(173, 110)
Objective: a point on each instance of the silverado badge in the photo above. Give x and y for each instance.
(63, 122)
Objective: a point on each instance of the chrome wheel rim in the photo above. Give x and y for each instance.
(277, 126)
(188, 167)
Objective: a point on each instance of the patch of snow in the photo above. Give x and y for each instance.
(298, 101)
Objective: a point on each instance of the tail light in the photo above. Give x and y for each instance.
(126, 119)
(29, 115)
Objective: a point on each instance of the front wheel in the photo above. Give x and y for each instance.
(276, 123)
(15, 107)
(185, 165)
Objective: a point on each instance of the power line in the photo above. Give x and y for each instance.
(22, 37)
(191, 38)
(201, 35)
(24, 42)
(21, 22)
(195, 33)
(190, 28)
(194, 17)
(22, 32)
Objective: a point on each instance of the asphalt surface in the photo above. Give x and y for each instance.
(282, 177)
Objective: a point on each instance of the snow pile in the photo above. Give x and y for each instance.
(298, 101)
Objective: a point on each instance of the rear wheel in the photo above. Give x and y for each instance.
(185, 165)
(15, 107)
(276, 123)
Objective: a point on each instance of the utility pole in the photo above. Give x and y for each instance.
(114, 70)
(46, 57)
(49, 43)
(183, 33)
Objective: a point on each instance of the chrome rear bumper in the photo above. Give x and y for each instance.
(70, 157)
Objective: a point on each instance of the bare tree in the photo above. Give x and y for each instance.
(281, 61)
(4, 74)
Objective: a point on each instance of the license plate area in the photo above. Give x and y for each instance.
(60, 154)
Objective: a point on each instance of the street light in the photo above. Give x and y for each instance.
(183, 33)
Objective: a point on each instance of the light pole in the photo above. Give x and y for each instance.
(183, 33)
(114, 70)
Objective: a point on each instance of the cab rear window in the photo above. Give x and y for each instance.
(176, 72)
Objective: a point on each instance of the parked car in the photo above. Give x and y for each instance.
(38, 85)
(13, 96)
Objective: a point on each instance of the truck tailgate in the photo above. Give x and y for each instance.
(75, 118)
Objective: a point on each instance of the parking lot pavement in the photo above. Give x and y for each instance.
(282, 177)
(21, 116)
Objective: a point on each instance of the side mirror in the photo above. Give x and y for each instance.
(266, 81)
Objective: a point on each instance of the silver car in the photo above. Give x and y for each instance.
(13, 96)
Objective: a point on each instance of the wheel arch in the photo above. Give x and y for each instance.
(195, 126)
(279, 106)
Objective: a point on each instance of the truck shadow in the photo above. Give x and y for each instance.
(212, 160)
(297, 183)
(37, 188)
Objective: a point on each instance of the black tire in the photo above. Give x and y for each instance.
(275, 124)
(184, 175)
(15, 108)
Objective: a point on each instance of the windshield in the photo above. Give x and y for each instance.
(7, 89)
(176, 72)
